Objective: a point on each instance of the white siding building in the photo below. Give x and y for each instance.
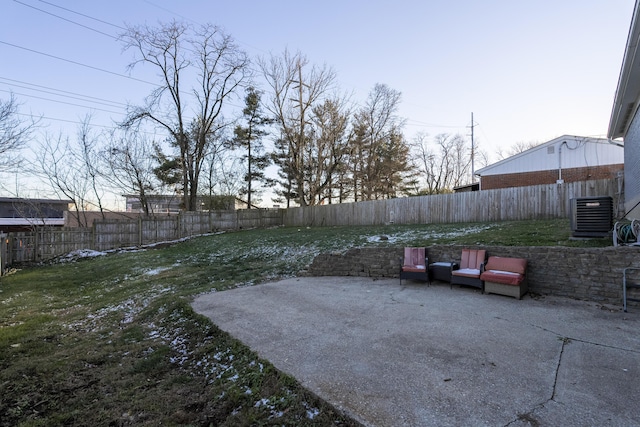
(567, 158)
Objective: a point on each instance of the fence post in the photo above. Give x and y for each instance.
(9, 253)
(94, 237)
(3, 252)
(36, 245)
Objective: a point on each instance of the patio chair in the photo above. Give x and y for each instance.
(414, 265)
(471, 266)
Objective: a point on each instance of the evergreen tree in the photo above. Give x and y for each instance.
(249, 138)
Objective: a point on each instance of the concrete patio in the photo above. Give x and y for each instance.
(418, 355)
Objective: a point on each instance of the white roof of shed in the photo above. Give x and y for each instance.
(567, 151)
(31, 221)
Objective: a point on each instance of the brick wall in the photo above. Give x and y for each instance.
(593, 274)
(524, 179)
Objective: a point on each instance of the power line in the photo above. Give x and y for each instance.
(62, 102)
(33, 116)
(170, 11)
(65, 19)
(430, 125)
(54, 91)
(76, 122)
(83, 15)
(77, 63)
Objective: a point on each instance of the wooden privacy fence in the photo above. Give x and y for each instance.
(518, 203)
(47, 243)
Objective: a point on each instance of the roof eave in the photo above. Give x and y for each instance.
(625, 103)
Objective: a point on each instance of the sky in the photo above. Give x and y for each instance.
(528, 71)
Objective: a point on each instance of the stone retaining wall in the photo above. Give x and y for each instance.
(593, 274)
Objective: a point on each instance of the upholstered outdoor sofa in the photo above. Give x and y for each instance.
(505, 276)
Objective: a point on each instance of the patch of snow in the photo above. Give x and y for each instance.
(261, 402)
(156, 271)
(81, 254)
(312, 413)
(129, 309)
(408, 236)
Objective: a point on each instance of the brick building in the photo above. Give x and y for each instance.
(565, 159)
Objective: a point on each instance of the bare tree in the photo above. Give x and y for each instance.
(130, 165)
(178, 51)
(379, 151)
(221, 168)
(328, 149)
(89, 158)
(57, 162)
(432, 166)
(445, 163)
(296, 88)
(73, 169)
(460, 154)
(14, 132)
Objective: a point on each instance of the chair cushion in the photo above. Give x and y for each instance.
(415, 268)
(414, 256)
(515, 265)
(502, 277)
(467, 272)
(414, 260)
(472, 258)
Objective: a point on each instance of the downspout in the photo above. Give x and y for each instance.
(616, 143)
(560, 180)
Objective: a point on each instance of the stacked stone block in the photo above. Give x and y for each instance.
(593, 274)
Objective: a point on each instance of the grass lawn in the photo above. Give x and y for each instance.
(112, 340)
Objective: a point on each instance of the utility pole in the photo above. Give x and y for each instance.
(473, 149)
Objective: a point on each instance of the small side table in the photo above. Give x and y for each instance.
(442, 270)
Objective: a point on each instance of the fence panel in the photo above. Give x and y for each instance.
(111, 234)
(271, 217)
(508, 204)
(224, 220)
(159, 229)
(21, 247)
(54, 242)
(249, 218)
(193, 223)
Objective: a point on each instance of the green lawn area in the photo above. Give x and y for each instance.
(112, 340)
